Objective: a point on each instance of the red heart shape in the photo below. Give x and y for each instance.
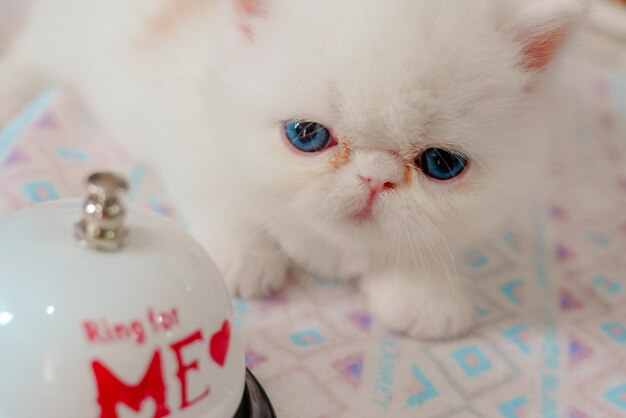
(219, 344)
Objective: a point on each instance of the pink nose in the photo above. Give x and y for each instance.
(377, 185)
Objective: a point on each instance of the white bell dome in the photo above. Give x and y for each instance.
(135, 322)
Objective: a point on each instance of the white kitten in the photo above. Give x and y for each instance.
(355, 139)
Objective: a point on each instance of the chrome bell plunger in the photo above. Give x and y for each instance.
(102, 227)
(133, 322)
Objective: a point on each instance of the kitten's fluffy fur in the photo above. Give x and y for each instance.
(203, 94)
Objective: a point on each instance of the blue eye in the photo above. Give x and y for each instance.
(307, 136)
(441, 164)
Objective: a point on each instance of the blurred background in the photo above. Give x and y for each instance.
(604, 38)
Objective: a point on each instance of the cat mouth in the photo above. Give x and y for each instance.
(363, 215)
(366, 213)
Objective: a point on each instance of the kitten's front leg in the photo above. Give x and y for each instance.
(423, 306)
(252, 264)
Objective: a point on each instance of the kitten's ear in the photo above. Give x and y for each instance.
(251, 7)
(247, 10)
(543, 26)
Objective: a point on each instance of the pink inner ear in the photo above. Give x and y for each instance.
(250, 7)
(542, 49)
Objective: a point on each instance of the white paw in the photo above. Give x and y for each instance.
(424, 309)
(253, 270)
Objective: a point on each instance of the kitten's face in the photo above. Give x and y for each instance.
(370, 117)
